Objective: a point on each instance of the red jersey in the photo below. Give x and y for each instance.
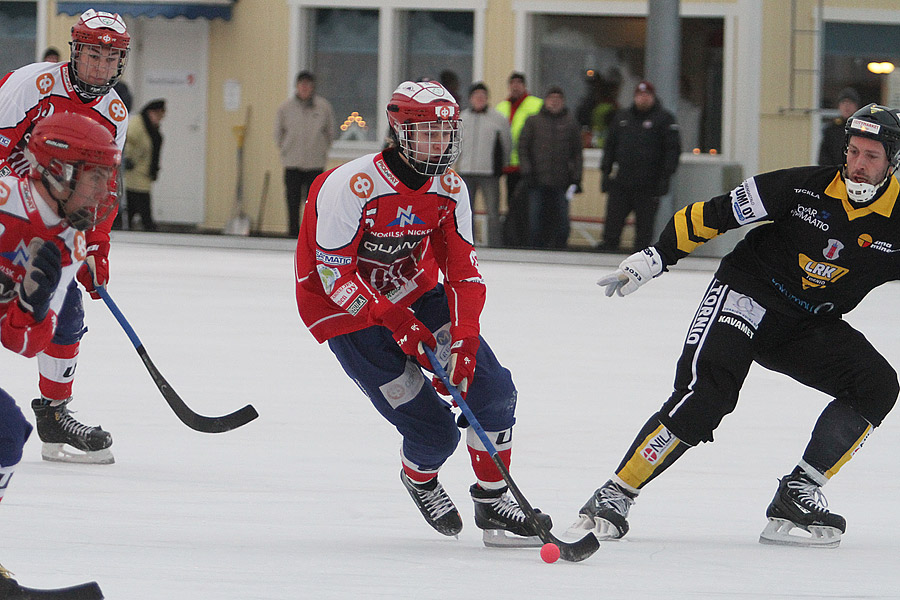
(367, 239)
(38, 90)
(23, 217)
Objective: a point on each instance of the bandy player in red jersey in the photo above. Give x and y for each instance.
(99, 50)
(43, 219)
(375, 233)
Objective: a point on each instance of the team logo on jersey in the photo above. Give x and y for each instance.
(117, 111)
(819, 274)
(4, 193)
(362, 186)
(44, 83)
(451, 182)
(405, 218)
(19, 256)
(833, 249)
(658, 446)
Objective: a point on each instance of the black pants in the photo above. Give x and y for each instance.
(731, 330)
(296, 188)
(515, 224)
(620, 203)
(139, 204)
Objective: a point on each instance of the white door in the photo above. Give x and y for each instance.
(170, 61)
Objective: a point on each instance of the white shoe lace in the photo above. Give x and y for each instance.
(68, 424)
(613, 497)
(809, 495)
(436, 501)
(507, 508)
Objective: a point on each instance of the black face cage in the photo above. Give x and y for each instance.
(83, 87)
(415, 141)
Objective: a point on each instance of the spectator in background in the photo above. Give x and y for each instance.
(641, 154)
(550, 162)
(831, 151)
(142, 148)
(450, 80)
(516, 108)
(304, 131)
(51, 54)
(485, 146)
(597, 108)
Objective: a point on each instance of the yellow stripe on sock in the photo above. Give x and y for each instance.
(639, 469)
(849, 454)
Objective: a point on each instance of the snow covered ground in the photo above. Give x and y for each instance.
(306, 501)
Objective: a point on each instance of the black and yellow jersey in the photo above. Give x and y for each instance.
(813, 251)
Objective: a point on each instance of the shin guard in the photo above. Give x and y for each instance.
(486, 472)
(57, 368)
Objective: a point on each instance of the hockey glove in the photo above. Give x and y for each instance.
(461, 367)
(410, 334)
(95, 270)
(42, 274)
(633, 272)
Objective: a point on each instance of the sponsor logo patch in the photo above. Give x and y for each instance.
(332, 259)
(405, 217)
(745, 307)
(344, 293)
(5, 141)
(357, 305)
(746, 203)
(361, 185)
(658, 445)
(819, 274)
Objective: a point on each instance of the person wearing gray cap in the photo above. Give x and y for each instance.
(831, 151)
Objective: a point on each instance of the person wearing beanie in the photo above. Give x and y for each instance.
(831, 150)
(640, 156)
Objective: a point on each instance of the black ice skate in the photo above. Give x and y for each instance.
(498, 515)
(606, 512)
(66, 440)
(800, 503)
(435, 505)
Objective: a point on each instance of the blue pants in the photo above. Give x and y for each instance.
(70, 321)
(14, 431)
(400, 391)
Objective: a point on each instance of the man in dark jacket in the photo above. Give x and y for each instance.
(831, 151)
(550, 163)
(640, 156)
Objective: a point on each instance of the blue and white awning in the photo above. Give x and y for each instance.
(198, 9)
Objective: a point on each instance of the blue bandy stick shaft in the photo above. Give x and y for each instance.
(135, 340)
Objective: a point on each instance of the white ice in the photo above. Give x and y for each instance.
(306, 502)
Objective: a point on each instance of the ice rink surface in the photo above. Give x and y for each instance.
(305, 502)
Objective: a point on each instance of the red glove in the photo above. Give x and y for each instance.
(95, 270)
(461, 367)
(410, 333)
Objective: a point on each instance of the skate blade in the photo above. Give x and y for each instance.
(500, 538)
(68, 454)
(601, 528)
(777, 532)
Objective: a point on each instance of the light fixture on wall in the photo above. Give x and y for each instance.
(881, 68)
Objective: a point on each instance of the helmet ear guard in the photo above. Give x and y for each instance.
(879, 123)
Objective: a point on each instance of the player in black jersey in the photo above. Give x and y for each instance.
(832, 234)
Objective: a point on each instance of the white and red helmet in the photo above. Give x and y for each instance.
(428, 109)
(61, 149)
(96, 30)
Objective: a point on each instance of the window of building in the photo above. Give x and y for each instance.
(598, 60)
(18, 28)
(355, 71)
(849, 48)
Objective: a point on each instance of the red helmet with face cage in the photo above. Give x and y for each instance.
(97, 30)
(61, 149)
(425, 108)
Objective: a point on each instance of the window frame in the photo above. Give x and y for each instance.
(389, 24)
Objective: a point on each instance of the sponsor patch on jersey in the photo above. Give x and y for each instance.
(44, 83)
(746, 203)
(451, 182)
(344, 293)
(332, 259)
(654, 450)
(745, 307)
(405, 218)
(117, 110)
(357, 305)
(812, 216)
(865, 241)
(405, 387)
(361, 186)
(5, 141)
(819, 274)
(704, 314)
(328, 275)
(386, 173)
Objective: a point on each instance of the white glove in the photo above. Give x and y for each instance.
(635, 271)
